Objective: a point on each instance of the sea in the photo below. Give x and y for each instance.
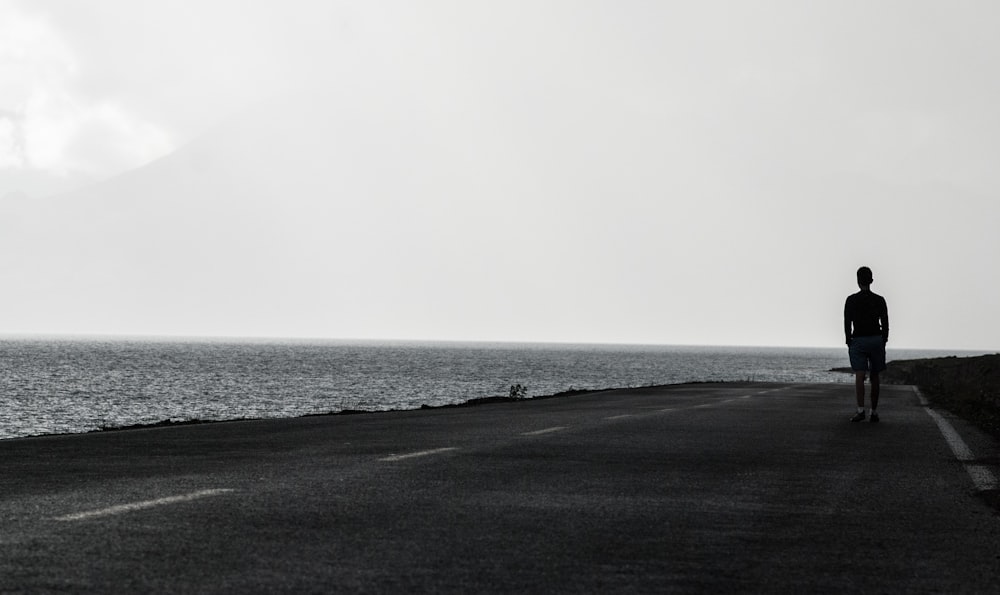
(74, 385)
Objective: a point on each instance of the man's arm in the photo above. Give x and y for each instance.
(847, 321)
(885, 321)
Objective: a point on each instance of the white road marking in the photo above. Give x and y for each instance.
(623, 416)
(421, 453)
(668, 409)
(123, 508)
(545, 431)
(775, 390)
(981, 475)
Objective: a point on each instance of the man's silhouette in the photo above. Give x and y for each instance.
(866, 327)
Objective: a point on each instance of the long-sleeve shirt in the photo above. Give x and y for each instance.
(866, 315)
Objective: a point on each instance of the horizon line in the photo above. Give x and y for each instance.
(147, 337)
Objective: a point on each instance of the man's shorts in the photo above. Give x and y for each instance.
(867, 354)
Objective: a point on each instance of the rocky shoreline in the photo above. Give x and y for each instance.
(966, 386)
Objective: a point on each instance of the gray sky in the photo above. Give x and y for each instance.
(583, 171)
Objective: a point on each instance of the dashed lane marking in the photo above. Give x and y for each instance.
(622, 416)
(131, 507)
(981, 475)
(775, 390)
(420, 453)
(544, 431)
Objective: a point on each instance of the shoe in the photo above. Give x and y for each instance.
(859, 416)
(874, 418)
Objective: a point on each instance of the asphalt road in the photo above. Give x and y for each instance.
(693, 488)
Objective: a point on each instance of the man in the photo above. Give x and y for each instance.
(866, 327)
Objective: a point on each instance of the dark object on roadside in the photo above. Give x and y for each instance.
(967, 386)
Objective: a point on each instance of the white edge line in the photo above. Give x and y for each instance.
(981, 476)
(123, 508)
(421, 453)
(545, 431)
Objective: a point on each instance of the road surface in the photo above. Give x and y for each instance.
(690, 488)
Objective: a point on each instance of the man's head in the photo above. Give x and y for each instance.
(864, 277)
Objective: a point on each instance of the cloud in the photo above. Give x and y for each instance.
(47, 124)
(64, 135)
(11, 137)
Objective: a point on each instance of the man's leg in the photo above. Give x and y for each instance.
(859, 387)
(875, 390)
